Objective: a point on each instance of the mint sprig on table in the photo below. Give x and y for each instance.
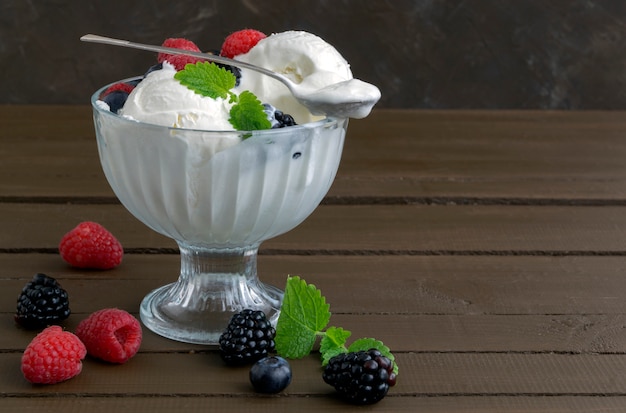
(210, 80)
(304, 317)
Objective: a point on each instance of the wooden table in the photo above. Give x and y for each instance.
(486, 249)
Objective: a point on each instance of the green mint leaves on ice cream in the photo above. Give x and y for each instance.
(210, 80)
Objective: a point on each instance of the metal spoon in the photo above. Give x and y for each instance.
(348, 99)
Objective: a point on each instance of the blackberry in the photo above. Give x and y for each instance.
(248, 337)
(277, 118)
(232, 69)
(361, 377)
(283, 119)
(41, 303)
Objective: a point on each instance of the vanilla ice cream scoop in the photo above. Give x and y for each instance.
(302, 57)
(162, 100)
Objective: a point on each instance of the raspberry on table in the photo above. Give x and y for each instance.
(90, 245)
(240, 42)
(361, 377)
(53, 356)
(179, 61)
(41, 303)
(111, 334)
(248, 337)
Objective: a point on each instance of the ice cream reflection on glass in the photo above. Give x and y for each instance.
(221, 158)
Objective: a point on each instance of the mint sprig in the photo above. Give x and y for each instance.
(207, 79)
(304, 316)
(248, 114)
(210, 80)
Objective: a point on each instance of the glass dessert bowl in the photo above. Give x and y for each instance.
(219, 195)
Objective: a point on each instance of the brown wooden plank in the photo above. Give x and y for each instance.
(423, 333)
(495, 307)
(447, 285)
(421, 374)
(443, 404)
(395, 229)
(409, 154)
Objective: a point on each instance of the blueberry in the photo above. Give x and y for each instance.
(153, 68)
(116, 100)
(270, 374)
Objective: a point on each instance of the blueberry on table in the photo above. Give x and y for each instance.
(270, 375)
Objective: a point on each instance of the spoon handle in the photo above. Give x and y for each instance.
(94, 38)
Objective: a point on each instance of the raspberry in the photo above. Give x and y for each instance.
(248, 337)
(361, 377)
(53, 356)
(240, 42)
(111, 335)
(41, 303)
(90, 245)
(119, 86)
(178, 60)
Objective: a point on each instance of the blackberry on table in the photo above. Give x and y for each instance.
(248, 337)
(361, 377)
(41, 303)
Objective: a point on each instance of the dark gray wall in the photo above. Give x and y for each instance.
(566, 54)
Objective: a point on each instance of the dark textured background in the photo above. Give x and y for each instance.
(547, 54)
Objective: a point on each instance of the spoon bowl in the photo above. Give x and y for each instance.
(352, 98)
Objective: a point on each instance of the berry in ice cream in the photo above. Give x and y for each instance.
(240, 42)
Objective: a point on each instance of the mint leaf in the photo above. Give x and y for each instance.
(364, 344)
(248, 114)
(333, 343)
(303, 316)
(207, 79)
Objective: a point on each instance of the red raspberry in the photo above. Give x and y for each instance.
(124, 87)
(53, 356)
(90, 245)
(179, 61)
(111, 335)
(241, 42)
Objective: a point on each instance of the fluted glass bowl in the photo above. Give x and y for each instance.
(218, 194)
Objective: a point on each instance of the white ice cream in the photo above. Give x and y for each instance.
(161, 100)
(304, 58)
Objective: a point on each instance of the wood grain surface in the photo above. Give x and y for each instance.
(486, 249)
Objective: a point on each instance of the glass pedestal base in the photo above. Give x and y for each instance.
(213, 285)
